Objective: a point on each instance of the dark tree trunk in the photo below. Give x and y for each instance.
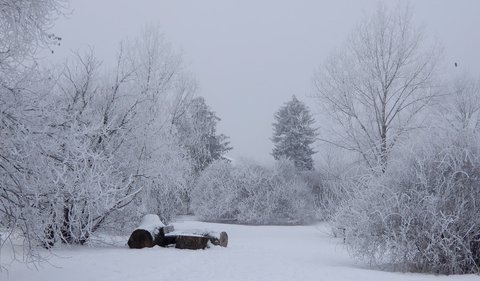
(66, 234)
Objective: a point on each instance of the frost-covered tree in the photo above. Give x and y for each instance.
(197, 131)
(294, 134)
(421, 214)
(24, 29)
(376, 86)
(153, 89)
(460, 106)
(78, 146)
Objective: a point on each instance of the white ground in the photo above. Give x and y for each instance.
(273, 253)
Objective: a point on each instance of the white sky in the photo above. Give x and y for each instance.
(250, 56)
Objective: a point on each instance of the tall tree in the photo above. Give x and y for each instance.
(293, 134)
(377, 85)
(197, 129)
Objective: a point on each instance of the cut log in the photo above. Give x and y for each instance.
(192, 242)
(195, 239)
(140, 238)
(146, 234)
(153, 232)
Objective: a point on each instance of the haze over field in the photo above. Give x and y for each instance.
(250, 57)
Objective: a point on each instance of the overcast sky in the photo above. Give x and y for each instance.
(249, 56)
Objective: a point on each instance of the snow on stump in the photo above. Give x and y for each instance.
(145, 235)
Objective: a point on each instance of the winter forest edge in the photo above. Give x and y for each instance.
(88, 147)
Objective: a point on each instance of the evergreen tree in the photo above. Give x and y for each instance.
(293, 134)
(197, 134)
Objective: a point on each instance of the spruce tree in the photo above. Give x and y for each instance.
(293, 134)
(197, 130)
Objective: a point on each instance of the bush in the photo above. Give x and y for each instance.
(213, 197)
(252, 194)
(422, 214)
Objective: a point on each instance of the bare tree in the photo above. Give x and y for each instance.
(378, 84)
(163, 90)
(460, 108)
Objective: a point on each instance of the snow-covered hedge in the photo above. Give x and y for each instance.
(423, 213)
(250, 193)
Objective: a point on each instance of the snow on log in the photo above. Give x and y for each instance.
(145, 235)
(151, 223)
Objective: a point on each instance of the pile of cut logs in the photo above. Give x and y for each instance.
(153, 232)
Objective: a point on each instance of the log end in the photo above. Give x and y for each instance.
(140, 238)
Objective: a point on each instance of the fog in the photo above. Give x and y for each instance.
(250, 57)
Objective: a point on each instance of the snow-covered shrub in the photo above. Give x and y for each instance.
(253, 194)
(289, 196)
(214, 196)
(422, 214)
(329, 190)
(255, 197)
(272, 196)
(334, 182)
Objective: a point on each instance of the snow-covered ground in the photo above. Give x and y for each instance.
(254, 253)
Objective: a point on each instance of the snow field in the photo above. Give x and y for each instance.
(274, 253)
